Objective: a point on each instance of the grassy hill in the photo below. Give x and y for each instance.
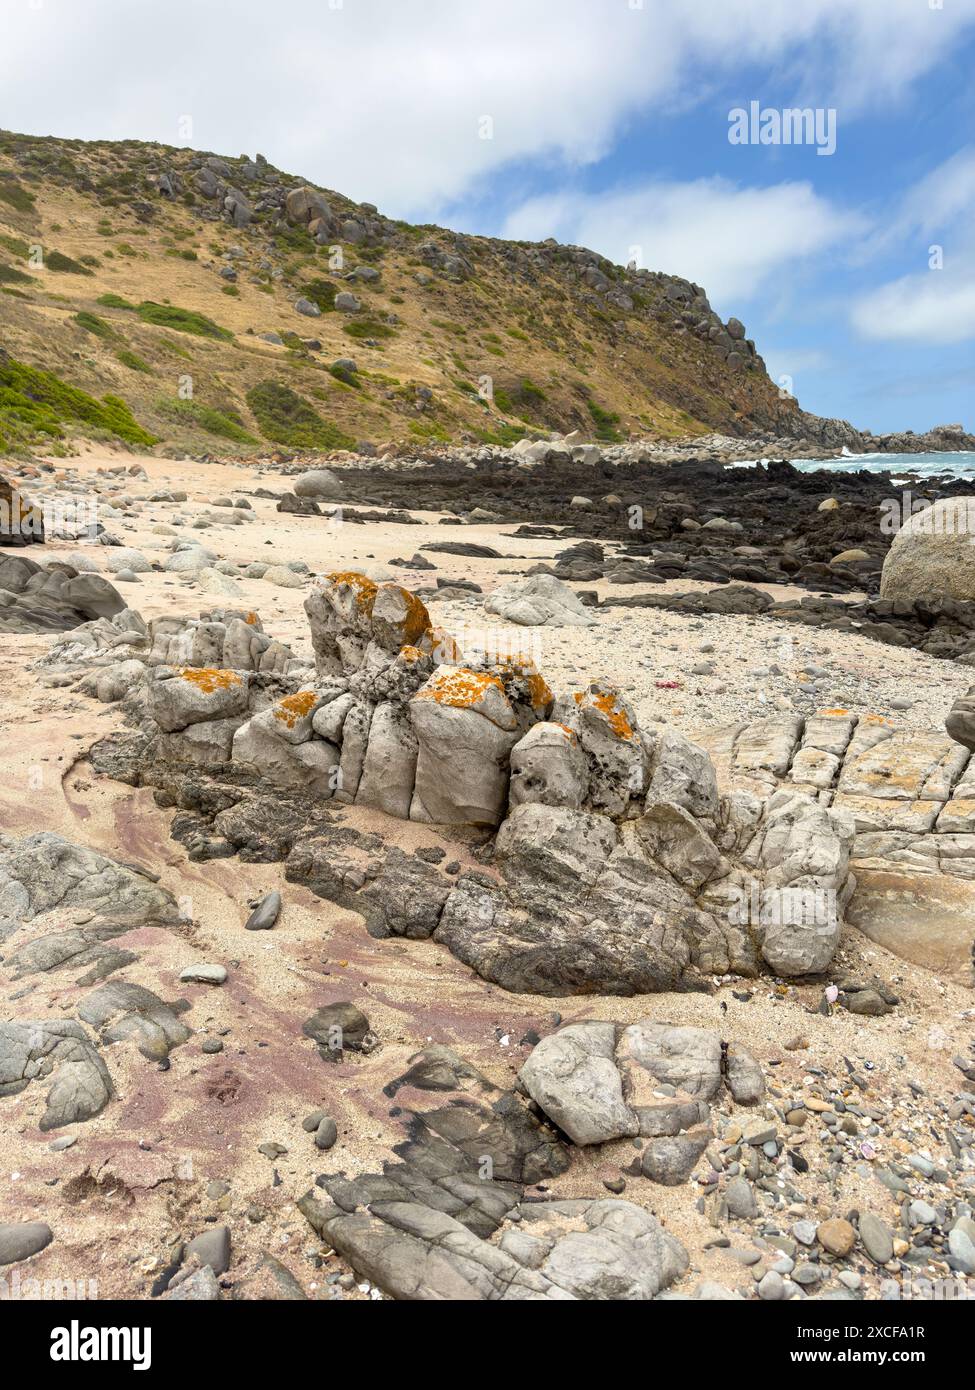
(147, 294)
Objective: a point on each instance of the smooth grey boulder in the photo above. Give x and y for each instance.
(572, 1075)
(211, 1248)
(19, 1240)
(932, 556)
(318, 483)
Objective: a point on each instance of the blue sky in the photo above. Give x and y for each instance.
(608, 125)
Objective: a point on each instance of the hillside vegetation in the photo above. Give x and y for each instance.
(148, 294)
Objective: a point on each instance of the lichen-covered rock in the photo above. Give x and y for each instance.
(549, 767)
(192, 695)
(609, 736)
(339, 610)
(465, 728)
(313, 766)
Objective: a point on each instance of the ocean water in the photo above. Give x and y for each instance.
(954, 465)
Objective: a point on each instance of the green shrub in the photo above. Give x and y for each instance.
(206, 418)
(15, 246)
(184, 320)
(9, 275)
(54, 260)
(367, 328)
(114, 301)
(15, 196)
(35, 404)
(346, 377)
(287, 419)
(91, 323)
(322, 293)
(133, 361)
(605, 422)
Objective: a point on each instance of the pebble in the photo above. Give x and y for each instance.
(836, 1236)
(804, 1232)
(204, 974)
(21, 1239)
(265, 913)
(771, 1287)
(876, 1238)
(326, 1134)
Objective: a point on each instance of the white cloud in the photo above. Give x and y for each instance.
(933, 305)
(729, 239)
(381, 98)
(936, 306)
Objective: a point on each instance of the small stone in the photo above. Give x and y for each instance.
(326, 1134)
(265, 914)
(771, 1287)
(923, 1214)
(804, 1232)
(876, 1238)
(204, 974)
(836, 1236)
(211, 1248)
(311, 1122)
(741, 1199)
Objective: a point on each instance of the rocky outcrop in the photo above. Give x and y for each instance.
(35, 599)
(617, 867)
(600, 1081)
(448, 1220)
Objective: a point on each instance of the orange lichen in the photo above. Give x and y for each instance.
(416, 621)
(606, 704)
(295, 707)
(365, 589)
(538, 691)
(836, 711)
(250, 619)
(208, 679)
(569, 733)
(618, 721)
(460, 688)
(411, 653)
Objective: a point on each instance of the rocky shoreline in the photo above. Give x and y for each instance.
(347, 950)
